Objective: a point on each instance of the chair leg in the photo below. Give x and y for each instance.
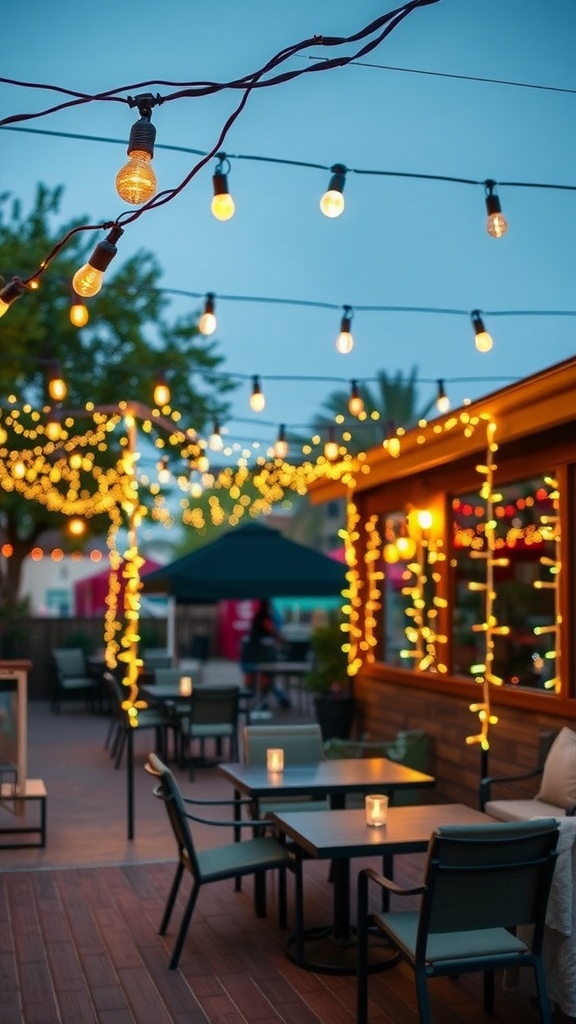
(422, 994)
(171, 899)
(260, 893)
(542, 992)
(362, 953)
(120, 747)
(489, 993)
(184, 927)
(282, 915)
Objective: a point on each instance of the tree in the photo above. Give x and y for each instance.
(128, 340)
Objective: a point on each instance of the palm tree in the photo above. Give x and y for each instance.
(394, 400)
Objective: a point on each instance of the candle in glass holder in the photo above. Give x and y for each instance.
(376, 809)
(185, 688)
(275, 759)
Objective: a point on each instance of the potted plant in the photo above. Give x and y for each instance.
(330, 683)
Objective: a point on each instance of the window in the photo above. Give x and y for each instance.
(509, 573)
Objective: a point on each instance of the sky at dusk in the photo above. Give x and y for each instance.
(421, 103)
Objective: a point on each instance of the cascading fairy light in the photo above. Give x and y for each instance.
(374, 577)
(351, 592)
(483, 672)
(549, 527)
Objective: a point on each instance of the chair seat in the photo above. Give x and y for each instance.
(523, 810)
(222, 730)
(241, 858)
(268, 807)
(77, 683)
(480, 942)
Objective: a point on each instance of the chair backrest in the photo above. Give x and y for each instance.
(214, 705)
(69, 661)
(488, 876)
(168, 790)
(169, 676)
(155, 658)
(302, 744)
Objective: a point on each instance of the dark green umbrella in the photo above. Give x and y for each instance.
(247, 562)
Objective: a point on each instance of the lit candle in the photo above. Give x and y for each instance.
(376, 808)
(185, 688)
(275, 759)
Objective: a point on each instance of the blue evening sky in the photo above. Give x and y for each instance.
(400, 241)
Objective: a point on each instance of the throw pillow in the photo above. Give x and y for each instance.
(559, 776)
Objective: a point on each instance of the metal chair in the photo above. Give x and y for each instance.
(157, 718)
(211, 713)
(302, 744)
(480, 882)
(247, 857)
(71, 675)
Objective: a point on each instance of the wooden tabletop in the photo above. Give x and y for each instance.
(345, 834)
(333, 776)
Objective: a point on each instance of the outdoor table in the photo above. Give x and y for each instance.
(332, 778)
(340, 835)
(284, 669)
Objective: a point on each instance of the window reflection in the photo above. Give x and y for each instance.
(527, 535)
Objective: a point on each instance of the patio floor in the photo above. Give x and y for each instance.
(79, 919)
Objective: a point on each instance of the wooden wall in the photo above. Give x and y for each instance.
(385, 708)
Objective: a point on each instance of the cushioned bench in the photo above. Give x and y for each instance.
(556, 769)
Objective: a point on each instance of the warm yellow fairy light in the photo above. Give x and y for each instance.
(332, 202)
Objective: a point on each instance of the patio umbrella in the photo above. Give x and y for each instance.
(251, 561)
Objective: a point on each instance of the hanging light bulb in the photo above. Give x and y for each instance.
(9, 293)
(215, 441)
(392, 442)
(161, 394)
(442, 400)
(56, 384)
(355, 402)
(163, 470)
(52, 428)
(222, 205)
(207, 322)
(345, 341)
(203, 464)
(281, 444)
(89, 279)
(257, 400)
(78, 311)
(483, 340)
(332, 202)
(136, 182)
(496, 225)
(331, 447)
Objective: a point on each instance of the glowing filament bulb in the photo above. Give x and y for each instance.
(257, 399)
(222, 204)
(345, 341)
(355, 402)
(482, 339)
(496, 225)
(331, 449)
(89, 279)
(136, 182)
(78, 312)
(332, 202)
(161, 391)
(56, 385)
(207, 322)
(9, 293)
(215, 442)
(442, 400)
(281, 445)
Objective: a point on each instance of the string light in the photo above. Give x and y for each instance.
(136, 182)
(79, 315)
(9, 293)
(207, 322)
(442, 400)
(483, 340)
(345, 341)
(331, 448)
(332, 202)
(56, 385)
(89, 279)
(222, 205)
(257, 400)
(496, 225)
(355, 402)
(281, 445)
(161, 390)
(215, 441)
